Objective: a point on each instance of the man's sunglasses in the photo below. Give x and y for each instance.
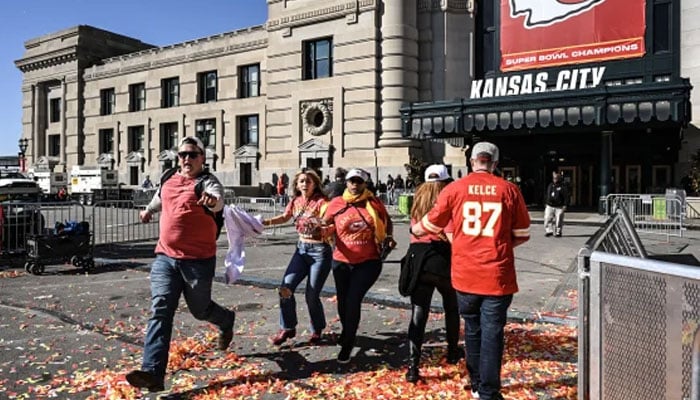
(190, 154)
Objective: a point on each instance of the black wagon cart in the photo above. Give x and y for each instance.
(72, 245)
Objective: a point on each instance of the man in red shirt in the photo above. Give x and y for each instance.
(489, 218)
(185, 261)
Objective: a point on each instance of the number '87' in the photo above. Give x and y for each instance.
(472, 211)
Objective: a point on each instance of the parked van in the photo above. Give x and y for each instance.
(84, 181)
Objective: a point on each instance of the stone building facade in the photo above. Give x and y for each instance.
(318, 85)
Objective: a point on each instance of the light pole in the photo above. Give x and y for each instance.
(23, 144)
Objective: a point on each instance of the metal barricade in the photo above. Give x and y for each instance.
(655, 214)
(266, 207)
(117, 221)
(24, 219)
(638, 319)
(643, 321)
(142, 197)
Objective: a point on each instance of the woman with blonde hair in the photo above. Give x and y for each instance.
(312, 257)
(430, 270)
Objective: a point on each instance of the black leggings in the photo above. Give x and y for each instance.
(421, 300)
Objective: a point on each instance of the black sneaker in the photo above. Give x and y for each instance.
(548, 234)
(412, 375)
(145, 380)
(558, 234)
(344, 354)
(226, 336)
(454, 355)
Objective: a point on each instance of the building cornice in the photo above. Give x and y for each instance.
(321, 14)
(46, 60)
(115, 65)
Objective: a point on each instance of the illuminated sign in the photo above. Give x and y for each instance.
(514, 85)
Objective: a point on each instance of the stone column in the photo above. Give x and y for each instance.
(63, 140)
(37, 142)
(399, 67)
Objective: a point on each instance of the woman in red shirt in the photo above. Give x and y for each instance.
(311, 259)
(362, 230)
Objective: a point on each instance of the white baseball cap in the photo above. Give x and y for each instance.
(436, 173)
(196, 140)
(357, 173)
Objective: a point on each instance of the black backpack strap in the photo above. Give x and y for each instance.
(199, 186)
(167, 174)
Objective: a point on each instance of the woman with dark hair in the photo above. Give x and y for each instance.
(363, 233)
(430, 255)
(311, 259)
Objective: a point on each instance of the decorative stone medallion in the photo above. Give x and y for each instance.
(317, 116)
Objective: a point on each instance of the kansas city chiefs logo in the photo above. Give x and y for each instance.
(549, 12)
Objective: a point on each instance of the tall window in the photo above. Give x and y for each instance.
(170, 92)
(248, 130)
(246, 174)
(106, 140)
(485, 43)
(135, 140)
(168, 136)
(54, 110)
(318, 58)
(249, 80)
(206, 131)
(207, 83)
(54, 145)
(137, 97)
(107, 101)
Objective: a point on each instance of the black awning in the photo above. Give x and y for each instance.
(604, 108)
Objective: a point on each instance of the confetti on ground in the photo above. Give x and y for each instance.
(539, 363)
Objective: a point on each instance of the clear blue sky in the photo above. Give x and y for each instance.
(157, 22)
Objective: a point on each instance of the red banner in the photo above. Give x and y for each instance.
(547, 33)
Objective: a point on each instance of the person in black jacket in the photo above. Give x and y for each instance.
(430, 270)
(337, 187)
(556, 200)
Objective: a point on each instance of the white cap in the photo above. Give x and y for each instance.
(195, 139)
(357, 173)
(436, 173)
(485, 150)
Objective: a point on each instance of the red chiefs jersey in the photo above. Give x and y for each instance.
(488, 214)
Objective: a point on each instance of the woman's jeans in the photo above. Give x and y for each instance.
(312, 260)
(169, 278)
(421, 300)
(484, 319)
(352, 282)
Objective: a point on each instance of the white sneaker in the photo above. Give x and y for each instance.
(475, 394)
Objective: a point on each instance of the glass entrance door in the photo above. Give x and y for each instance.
(570, 177)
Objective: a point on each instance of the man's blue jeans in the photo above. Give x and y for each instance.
(484, 320)
(170, 278)
(352, 282)
(312, 260)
